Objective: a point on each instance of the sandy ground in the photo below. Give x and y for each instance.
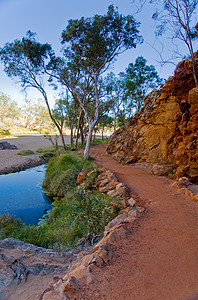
(159, 258)
(10, 161)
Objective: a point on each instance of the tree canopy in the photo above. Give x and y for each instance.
(91, 45)
(140, 78)
(176, 17)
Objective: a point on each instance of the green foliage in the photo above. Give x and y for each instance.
(35, 116)
(62, 172)
(48, 154)
(92, 210)
(139, 80)
(91, 46)
(4, 131)
(65, 110)
(95, 42)
(115, 89)
(51, 149)
(175, 18)
(9, 113)
(24, 59)
(100, 141)
(14, 227)
(25, 152)
(121, 118)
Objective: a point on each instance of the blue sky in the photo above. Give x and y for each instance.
(49, 18)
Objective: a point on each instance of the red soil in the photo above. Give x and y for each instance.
(159, 258)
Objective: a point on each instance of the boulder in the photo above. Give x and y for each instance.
(131, 202)
(116, 221)
(163, 169)
(70, 286)
(19, 260)
(106, 188)
(103, 251)
(7, 146)
(81, 177)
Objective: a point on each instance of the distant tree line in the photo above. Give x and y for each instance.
(30, 116)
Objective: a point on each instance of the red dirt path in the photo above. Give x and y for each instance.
(159, 258)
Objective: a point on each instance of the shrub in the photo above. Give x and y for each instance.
(46, 149)
(62, 172)
(25, 152)
(4, 131)
(93, 211)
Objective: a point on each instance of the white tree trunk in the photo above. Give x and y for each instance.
(87, 148)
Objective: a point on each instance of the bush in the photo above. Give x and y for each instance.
(93, 211)
(25, 152)
(46, 149)
(4, 131)
(62, 172)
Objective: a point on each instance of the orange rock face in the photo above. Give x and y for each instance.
(166, 128)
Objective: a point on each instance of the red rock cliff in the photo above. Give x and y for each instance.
(166, 128)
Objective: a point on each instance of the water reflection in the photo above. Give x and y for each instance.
(21, 194)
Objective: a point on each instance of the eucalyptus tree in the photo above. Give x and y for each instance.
(91, 45)
(139, 79)
(115, 89)
(65, 113)
(34, 115)
(26, 60)
(176, 16)
(8, 108)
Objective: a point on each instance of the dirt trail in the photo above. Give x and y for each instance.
(159, 258)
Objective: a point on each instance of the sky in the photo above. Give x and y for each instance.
(49, 18)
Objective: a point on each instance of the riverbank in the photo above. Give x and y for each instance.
(11, 162)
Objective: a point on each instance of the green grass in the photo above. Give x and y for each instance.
(100, 141)
(48, 149)
(13, 227)
(25, 152)
(62, 172)
(77, 210)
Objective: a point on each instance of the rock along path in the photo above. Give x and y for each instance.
(159, 258)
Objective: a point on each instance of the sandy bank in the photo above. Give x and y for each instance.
(11, 162)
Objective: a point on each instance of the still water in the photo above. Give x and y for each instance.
(21, 195)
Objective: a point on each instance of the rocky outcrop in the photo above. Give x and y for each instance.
(189, 189)
(165, 130)
(20, 261)
(7, 146)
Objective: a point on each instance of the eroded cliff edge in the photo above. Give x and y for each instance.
(165, 130)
